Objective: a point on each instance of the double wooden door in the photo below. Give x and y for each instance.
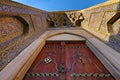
(67, 61)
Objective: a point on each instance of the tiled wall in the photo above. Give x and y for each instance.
(10, 28)
(103, 23)
(98, 20)
(20, 25)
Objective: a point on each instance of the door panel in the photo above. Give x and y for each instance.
(67, 61)
(45, 67)
(82, 64)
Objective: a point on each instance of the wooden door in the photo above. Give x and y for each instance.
(67, 61)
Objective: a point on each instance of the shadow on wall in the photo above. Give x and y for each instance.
(114, 30)
(26, 25)
(62, 19)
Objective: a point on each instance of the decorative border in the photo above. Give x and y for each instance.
(11, 51)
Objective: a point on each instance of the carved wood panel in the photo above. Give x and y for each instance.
(67, 61)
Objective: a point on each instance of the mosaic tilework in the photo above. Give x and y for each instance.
(107, 17)
(44, 21)
(114, 40)
(88, 12)
(111, 7)
(36, 19)
(18, 8)
(9, 28)
(28, 20)
(38, 25)
(96, 20)
(11, 48)
(116, 27)
(86, 21)
(14, 40)
(7, 8)
(104, 12)
(15, 48)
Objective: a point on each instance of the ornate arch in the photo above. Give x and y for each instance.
(65, 32)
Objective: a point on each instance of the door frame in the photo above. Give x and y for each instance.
(20, 69)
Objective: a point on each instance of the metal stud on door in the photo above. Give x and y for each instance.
(67, 61)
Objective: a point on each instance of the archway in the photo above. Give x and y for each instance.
(65, 37)
(66, 60)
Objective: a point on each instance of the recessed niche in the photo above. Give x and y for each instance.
(51, 24)
(78, 22)
(114, 24)
(11, 27)
(116, 27)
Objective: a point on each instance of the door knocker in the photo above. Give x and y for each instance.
(47, 60)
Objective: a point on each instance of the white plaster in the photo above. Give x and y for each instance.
(65, 37)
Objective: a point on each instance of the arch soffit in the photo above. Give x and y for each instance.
(70, 33)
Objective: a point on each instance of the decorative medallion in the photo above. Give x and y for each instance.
(47, 60)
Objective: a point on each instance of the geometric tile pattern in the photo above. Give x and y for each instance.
(12, 50)
(10, 28)
(12, 39)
